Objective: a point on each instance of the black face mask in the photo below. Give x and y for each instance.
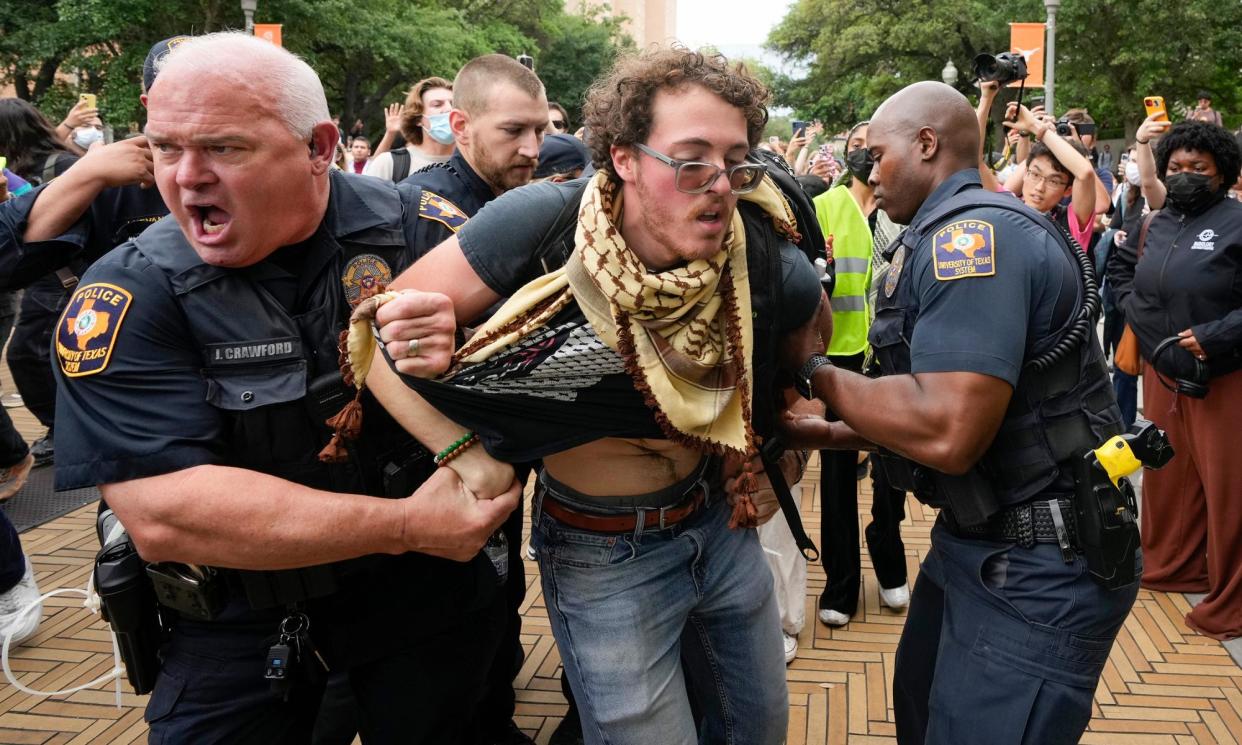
(1191, 193)
(860, 163)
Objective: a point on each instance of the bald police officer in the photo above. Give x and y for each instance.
(987, 401)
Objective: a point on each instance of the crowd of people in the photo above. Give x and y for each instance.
(618, 314)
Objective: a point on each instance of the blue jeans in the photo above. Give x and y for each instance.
(1125, 386)
(635, 614)
(1002, 644)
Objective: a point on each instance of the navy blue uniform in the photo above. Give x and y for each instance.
(451, 193)
(165, 363)
(1003, 643)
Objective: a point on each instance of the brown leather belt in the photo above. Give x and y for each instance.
(660, 517)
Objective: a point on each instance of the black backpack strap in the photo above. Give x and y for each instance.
(770, 454)
(400, 164)
(558, 241)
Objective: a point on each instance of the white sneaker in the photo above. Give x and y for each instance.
(791, 647)
(529, 553)
(833, 618)
(895, 597)
(12, 621)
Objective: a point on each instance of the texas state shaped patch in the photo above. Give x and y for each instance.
(432, 206)
(965, 248)
(88, 328)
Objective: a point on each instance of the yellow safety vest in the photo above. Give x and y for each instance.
(840, 216)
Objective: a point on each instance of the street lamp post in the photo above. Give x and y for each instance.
(949, 73)
(1050, 55)
(248, 8)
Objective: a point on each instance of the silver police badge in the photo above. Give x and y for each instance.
(894, 271)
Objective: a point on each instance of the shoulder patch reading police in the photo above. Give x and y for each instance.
(432, 206)
(88, 328)
(965, 248)
(366, 275)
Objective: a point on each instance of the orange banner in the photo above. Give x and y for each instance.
(269, 32)
(1027, 39)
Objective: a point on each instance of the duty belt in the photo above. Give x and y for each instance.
(1025, 525)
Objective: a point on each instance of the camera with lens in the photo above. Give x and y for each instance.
(1004, 68)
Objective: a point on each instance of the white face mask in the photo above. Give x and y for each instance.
(1132, 173)
(87, 136)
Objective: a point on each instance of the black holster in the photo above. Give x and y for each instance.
(970, 497)
(1106, 515)
(129, 607)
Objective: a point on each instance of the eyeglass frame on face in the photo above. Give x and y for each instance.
(1042, 178)
(677, 165)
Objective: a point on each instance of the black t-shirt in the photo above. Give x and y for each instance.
(500, 243)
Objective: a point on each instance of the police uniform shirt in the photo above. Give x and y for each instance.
(133, 390)
(986, 284)
(450, 194)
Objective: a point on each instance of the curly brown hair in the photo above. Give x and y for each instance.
(412, 112)
(618, 106)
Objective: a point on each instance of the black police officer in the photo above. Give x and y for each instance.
(196, 367)
(988, 398)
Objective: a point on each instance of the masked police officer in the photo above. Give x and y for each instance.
(993, 390)
(197, 365)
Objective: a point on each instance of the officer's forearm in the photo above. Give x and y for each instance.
(232, 517)
(942, 420)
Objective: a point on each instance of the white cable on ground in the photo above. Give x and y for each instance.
(91, 603)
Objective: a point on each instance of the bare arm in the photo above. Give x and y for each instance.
(232, 517)
(945, 420)
(63, 202)
(432, 318)
(1153, 188)
(1084, 194)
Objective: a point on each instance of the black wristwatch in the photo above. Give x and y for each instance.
(802, 381)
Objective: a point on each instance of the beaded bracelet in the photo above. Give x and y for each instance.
(461, 445)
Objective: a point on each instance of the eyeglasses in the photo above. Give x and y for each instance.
(1056, 182)
(695, 177)
(558, 124)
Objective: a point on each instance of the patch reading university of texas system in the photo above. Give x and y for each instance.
(964, 249)
(87, 330)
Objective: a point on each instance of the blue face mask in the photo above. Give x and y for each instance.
(440, 130)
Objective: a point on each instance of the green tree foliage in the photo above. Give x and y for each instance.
(1109, 53)
(578, 49)
(367, 52)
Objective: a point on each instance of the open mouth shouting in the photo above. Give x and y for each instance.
(209, 222)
